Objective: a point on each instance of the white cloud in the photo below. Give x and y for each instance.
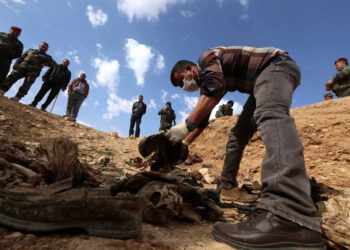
(152, 104)
(160, 64)
(141, 9)
(164, 95)
(175, 96)
(244, 17)
(107, 73)
(183, 115)
(187, 13)
(96, 103)
(244, 3)
(96, 18)
(220, 2)
(19, 1)
(190, 102)
(69, 4)
(74, 55)
(117, 105)
(138, 57)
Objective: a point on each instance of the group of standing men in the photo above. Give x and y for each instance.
(29, 65)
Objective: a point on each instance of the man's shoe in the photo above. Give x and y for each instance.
(32, 105)
(264, 230)
(15, 99)
(237, 194)
(43, 109)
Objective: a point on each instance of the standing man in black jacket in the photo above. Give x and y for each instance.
(138, 110)
(55, 78)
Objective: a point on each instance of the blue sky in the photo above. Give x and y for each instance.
(128, 47)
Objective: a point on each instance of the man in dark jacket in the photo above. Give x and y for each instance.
(285, 217)
(167, 117)
(10, 48)
(29, 66)
(138, 110)
(78, 90)
(54, 79)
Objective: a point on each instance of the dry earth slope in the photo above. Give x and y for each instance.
(324, 129)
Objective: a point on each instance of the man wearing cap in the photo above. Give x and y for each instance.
(167, 117)
(10, 48)
(28, 66)
(55, 78)
(340, 84)
(225, 109)
(78, 90)
(285, 217)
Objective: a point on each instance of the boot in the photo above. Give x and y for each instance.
(15, 98)
(237, 194)
(263, 230)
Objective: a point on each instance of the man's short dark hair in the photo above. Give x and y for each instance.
(230, 102)
(341, 59)
(180, 66)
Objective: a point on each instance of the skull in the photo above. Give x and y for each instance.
(160, 202)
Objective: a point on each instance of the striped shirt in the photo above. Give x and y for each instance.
(223, 69)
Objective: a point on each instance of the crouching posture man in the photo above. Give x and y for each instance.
(285, 216)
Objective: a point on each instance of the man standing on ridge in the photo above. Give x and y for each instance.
(285, 217)
(55, 78)
(28, 66)
(137, 111)
(10, 48)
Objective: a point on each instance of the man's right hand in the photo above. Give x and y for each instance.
(177, 133)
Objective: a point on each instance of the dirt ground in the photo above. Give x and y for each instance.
(324, 129)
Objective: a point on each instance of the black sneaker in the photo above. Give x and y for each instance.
(264, 230)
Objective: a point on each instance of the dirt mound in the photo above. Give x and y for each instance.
(324, 129)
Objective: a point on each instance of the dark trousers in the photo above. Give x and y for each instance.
(4, 69)
(285, 184)
(14, 76)
(135, 120)
(74, 102)
(47, 85)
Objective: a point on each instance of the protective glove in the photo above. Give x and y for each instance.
(177, 133)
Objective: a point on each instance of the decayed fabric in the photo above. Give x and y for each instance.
(62, 159)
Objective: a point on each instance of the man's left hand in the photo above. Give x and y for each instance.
(177, 133)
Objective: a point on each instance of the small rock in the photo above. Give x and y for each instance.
(15, 235)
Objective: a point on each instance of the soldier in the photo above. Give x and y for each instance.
(10, 48)
(167, 117)
(328, 96)
(138, 110)
(78, 90)
(55, 78)
(29, 66)
(340, 84)
(225, 109)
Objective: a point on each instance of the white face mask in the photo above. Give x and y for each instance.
(190, 85)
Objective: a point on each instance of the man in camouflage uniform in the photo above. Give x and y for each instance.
(225, 109)
(167, 117)
(340, 84)
(10, 48)
(29, 66)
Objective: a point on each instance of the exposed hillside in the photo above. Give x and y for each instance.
(324, 129)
